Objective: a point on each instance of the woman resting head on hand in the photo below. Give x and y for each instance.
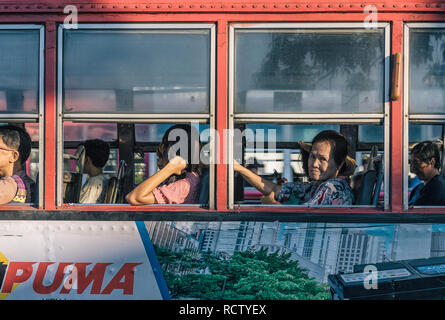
(325, 162)
(178, 179)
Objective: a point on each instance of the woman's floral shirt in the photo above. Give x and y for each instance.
(335, 192)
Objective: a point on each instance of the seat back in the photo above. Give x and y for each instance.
(379, 179)
(371, 181)
(124, 180)
(73, 185)
(111, 190)
(113, 194)
(364, 195)
(204, 187)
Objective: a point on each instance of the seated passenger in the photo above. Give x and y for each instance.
(425, 163)
(327, 166)
(97, 153)
(15, 147)
(178, 180)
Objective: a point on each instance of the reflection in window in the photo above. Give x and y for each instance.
(427, 71)
(124, 71)
(19, 70)
(309, 71)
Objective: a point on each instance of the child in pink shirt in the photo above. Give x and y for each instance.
(177, 181)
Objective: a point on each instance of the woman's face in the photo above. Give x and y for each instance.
(321, 164)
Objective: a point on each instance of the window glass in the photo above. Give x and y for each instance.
(419, 132)
(19, 70)
(141, 71)
(78, 132)
(427, 71)
(278, 158)
(89, 179)
(309, 71)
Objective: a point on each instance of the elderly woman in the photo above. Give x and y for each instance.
(327, 164)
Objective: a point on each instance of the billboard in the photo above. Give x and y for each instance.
(70, 260)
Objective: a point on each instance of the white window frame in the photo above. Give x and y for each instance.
(301, 118)
(138, 117)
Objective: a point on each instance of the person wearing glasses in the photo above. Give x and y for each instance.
(15, 147)
(425, 163)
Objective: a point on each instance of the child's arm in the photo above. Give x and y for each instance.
(143, 193)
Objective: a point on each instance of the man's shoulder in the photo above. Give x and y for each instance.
(437, 182)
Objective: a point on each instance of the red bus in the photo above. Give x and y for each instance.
(257, 79)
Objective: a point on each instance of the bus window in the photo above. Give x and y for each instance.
(302, 80)
(295, 70)
(275, 153)
(137, 80)
(19, 76)
(425, 109)
(160, 71)
(21, 98)
(140, 158)
(76, 173)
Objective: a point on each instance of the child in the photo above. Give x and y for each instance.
(96, 156)
(178, 180)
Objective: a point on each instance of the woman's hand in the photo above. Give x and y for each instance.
(177, 165)
(269, 199)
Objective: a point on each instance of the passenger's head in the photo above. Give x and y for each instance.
(181, 140)
(97, 153)
(16, 147)
(327, 156)
(425, 160)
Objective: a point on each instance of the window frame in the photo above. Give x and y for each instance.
(296, 118)
(421, 118)
(136, 117)
(33, 117)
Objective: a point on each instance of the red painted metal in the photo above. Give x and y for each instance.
(50, 114)
(221, 113)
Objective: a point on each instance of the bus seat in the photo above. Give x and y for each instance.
(370, 182)
(122, 180)
(364, 195)
(379, 179)
(113, 194)
(204, 187)
(111, 189)
(36, 190)
(73, 180)
(441, 146)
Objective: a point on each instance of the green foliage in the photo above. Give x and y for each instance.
(250, 275)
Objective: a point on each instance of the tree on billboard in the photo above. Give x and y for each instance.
(244, 275)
